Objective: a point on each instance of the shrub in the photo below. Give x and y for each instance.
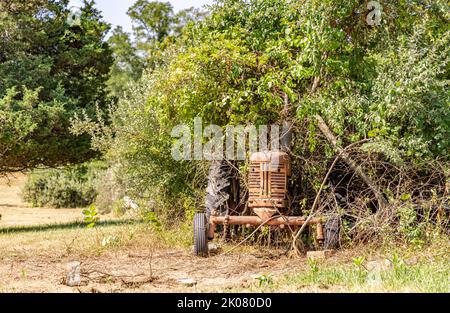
(68, 187)
(110, 192)
(385, 86)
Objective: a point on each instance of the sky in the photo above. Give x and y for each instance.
(115, 11)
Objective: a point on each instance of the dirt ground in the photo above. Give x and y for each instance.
(133, 272)
(32, 261)
(120, 255)
(16, 213)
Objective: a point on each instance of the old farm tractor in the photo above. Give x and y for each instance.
(269, 174)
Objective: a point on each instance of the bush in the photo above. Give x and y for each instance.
(110, 192)
(68, 187)
(384, 87)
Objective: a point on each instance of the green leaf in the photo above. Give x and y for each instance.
(373, 133)
(405, 197)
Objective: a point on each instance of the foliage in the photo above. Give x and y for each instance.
(358, 261)
(49, 70)
(265, 281)
(127, 65)
(71, 187)
(247, 60)
(155, 26)
(91, 216)
(313, 265)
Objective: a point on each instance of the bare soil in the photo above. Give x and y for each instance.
(134, 272)
(36, 245)
(36, 261)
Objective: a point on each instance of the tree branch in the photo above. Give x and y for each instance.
(353, 165)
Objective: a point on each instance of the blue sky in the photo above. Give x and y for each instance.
(115, 11)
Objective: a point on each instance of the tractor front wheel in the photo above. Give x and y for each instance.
(200, 235)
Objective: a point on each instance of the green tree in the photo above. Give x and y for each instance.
(185, 17)
(128, 64)
(152, 20)
(247, 59)
(49, 70)
(155, 28)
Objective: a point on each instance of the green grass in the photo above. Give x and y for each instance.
(75, 238)
(62, 226)
(424, 277)
(409, 270)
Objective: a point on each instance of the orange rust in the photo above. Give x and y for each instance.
(255, 220)
(319, 233)
(268, 179)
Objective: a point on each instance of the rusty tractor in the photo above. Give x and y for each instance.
(269, 174)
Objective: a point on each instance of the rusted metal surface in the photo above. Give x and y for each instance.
(268, 178)
(255, 220)
(265, 213)
(211, 230)
(319, 233)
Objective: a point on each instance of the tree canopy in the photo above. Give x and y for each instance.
(155, 27)
(387, 84)
(50, 69)
(53, 71)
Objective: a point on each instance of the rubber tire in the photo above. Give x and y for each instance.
(200, 235)
(332, 233)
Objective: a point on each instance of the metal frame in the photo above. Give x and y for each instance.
(280, 221)
(268, 181)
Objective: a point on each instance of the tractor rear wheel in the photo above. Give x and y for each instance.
(200, 235)
(332, 233)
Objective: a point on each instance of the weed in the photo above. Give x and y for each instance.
(265, 281)
(313, 265)
(358, 261)
(91, 216)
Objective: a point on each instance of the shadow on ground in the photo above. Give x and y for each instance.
(61, 226)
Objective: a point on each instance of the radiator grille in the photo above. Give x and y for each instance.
(268, 181)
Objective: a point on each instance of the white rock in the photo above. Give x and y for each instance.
(73, 277)
(187, 282)
(375, 269)
(213, 248)
(129, 203)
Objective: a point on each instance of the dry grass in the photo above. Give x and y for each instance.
(139, 259)
(132, 256)
(14, 212)
(136, 259)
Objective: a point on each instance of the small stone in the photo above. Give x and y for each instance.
(319, 255)
(213, 248)
(379, 266)
(187, 282)
(73, 277)
(375, 268)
